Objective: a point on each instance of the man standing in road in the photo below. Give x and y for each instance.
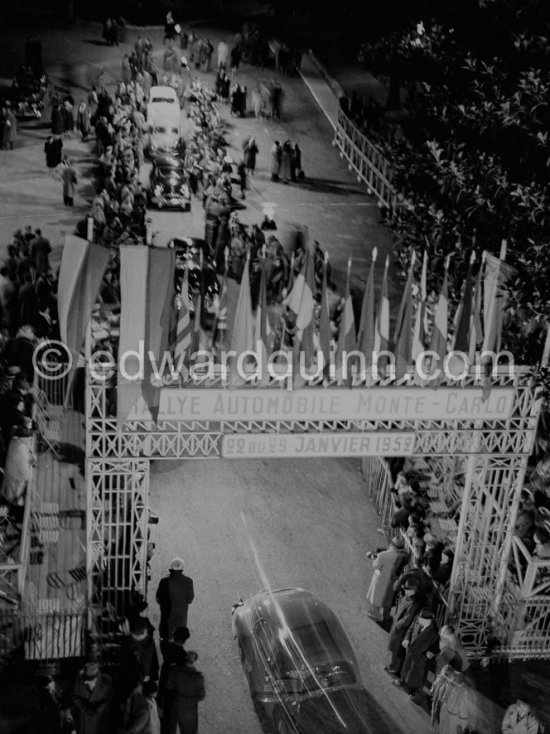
(186, 685)
(174, 594)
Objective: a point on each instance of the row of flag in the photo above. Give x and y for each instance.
(420, 326)
(148, 316)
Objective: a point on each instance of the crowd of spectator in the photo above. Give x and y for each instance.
(27, 316)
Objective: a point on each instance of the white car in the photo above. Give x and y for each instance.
(163, 118)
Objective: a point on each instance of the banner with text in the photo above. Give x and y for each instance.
(261, 445)
(331, 404)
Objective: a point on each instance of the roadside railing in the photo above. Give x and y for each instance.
(369, 163)
(44, 636)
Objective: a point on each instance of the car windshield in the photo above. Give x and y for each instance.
(167, 100)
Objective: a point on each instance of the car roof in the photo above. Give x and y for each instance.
(295, 603)
(168, 91)
(307, 617)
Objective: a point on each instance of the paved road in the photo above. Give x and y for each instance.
(309, 520)
(304, 523)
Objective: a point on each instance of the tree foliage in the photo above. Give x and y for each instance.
(471, 157)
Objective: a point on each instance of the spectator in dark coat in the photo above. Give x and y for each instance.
(286, 154)
(405, 613)
(443, 574)
(421, 644)
(187, 689)
(53, 148)
(92, 696)
(40, 251)
(26, 300)
(296, 163)
(420, 577)
(139, 656)
(135, 714)
(250, 152)
(174, 594)
(20, 350)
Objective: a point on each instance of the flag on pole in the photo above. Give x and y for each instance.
(324, 322)
(365, 338)
(300, 299)
(382, 326)
(182, 351)
(403, 328)
(134, 266)
(463, 315)
(347, 339)
(476, 327)
(220, 325)
(242, 337)
(262, 330)
(406, 298)
(199, 337)
(419, 333)
(159, 303)
(438, 341)
(497, 274)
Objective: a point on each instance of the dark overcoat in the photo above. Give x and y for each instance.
(94, 707)
(406, 611)
(415, 665)
(174, 594)
(186, 686)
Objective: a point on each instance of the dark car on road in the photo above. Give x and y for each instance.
(301, 669)
(169, 184)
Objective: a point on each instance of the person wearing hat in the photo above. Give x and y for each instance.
(174, 594)
(519, 718)
(92, 696)
(421, 643)
(405, 613)
(139, 654)
(185, 688)
(387, 566)
(173, 653)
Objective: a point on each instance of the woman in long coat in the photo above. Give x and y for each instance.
(53, 148)
(295, 161)
(286, 154)
(250, 153)
(275, 161)
(126, 69)
(387, 566)
(68, 176)
(83, 119)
